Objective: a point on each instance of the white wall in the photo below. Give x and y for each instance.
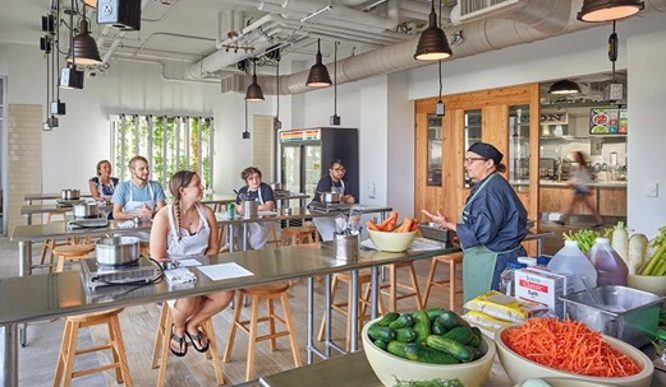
(400, 179)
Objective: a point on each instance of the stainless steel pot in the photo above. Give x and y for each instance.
(117, 251)
(277, 186)
(330, 197)
(250, 208)
(70, 194)
(86, 210)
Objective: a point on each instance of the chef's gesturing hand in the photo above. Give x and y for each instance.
(440, 219)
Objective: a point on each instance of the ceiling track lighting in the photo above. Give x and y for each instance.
(84, 47)
(318, 76)
(335, 118)
(433, 44)
(599, 11)
(254, 92)
(564, 87)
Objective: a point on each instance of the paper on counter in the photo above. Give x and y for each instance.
(267, 213)
(225, 271)
(188, 262)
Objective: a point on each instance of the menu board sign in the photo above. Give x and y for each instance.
(608, 121)
(300, 135)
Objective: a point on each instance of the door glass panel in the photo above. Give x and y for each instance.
(434, 150)
(291, 168)
(473, 133)
(519, 147)
(312, 161)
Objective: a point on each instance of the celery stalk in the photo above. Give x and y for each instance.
(655, 259)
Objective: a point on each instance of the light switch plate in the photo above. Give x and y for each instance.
(653, 190)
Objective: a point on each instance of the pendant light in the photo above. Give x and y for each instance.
(318, 76)
(84, 47)
(564, 86)
(254, 92)
(597, 11)
(432, 42)
(335, 118)
(246, 134)
(70, 77)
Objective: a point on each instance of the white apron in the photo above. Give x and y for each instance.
(326, 226)
(132, 206)
(257, 232)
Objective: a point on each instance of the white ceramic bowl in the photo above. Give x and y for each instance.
(566, 382)
(648, 283)
(388, 367)
(394, 242)
(519, 368)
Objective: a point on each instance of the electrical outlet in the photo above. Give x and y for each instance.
(653, 190)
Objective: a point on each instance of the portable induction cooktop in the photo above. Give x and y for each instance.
(139, 272)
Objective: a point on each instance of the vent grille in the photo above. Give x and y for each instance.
(475, 7)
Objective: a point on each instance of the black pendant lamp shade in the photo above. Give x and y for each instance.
(84, 47)
(564, 86)
(432, 42)
(318, 76)
(254, 92)
(597, 11)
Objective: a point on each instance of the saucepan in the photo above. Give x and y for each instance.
(86, 210)
(330, 197)
(70, 194)
(117, 251)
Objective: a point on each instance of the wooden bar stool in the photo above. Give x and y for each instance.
(257, 294)
(161, 346)
(51, 244)
(68, 348)
(393, 286)
(305, 234)
(452, 260)
(343, 307)
(72, 253)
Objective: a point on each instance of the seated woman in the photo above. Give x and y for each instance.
(187, 228)
(262, 193)
(102, 185)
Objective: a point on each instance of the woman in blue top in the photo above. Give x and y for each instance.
(492, 225)
(102, 185)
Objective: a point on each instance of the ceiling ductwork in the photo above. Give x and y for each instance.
(534, 20)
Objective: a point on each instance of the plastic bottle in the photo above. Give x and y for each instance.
(570, 260)
(507, 278)
(611, 269)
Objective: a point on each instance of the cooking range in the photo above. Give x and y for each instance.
(142, 271)
(329, 207)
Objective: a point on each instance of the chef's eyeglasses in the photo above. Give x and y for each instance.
(339, 169)
(469, 160)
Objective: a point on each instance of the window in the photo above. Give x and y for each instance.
(169, 143)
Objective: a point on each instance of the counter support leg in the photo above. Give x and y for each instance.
(539, 244)
(29, 219)
(9, 376)
(25, 258)
(230, 236)
(374, 285)
(310, 329)
(327, 312)
(244, 236)
(353, 308)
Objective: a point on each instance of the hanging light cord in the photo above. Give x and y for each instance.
(277, 92)
(439, 65)
(71, 34)
(335, 78)
(246, 115)
(56, 53)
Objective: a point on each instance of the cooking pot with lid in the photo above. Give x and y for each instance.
(70, 194)
(86, 210)
(117, 251)
(330, 197)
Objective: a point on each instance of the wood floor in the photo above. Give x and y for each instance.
(37, 361)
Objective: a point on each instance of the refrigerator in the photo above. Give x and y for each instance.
(306, 153)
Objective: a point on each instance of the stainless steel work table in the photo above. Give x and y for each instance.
(45, 296)
(29, 198)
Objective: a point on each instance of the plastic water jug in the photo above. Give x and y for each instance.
(570, 260)
(611, 269)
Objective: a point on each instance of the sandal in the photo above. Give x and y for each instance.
(197, 341)
(182, 344)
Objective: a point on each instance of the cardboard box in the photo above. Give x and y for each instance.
(545, 287)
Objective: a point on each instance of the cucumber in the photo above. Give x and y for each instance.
(463, 335)
(438, 326)
(454, 348)
(477, 332)
(404, 321)
(381, 333)
(381, 344)
(421, 326)
(397, 348)
(452, 320)
(405, 335)
(387, 319)
(475, 342)
(476, 353)
(423, 354)
(433, 313)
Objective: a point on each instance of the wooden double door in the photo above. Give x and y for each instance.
(506, 117)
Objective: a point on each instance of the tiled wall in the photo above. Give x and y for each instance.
(24, 158)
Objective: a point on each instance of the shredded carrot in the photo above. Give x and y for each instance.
(568, 346)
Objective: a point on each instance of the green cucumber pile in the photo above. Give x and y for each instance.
(434, 336)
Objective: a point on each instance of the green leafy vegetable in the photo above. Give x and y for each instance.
(428, 383)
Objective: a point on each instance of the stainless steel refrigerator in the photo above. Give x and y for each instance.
(306, 153)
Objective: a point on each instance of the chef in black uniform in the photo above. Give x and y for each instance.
(334, 181)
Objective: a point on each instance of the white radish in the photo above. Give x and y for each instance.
(637, 254)
(620, 241)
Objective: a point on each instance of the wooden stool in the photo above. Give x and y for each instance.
(452, 260)
(299, 235)
(258, 294)
(51, 244)
(68, 349)
(393, 286)
(343, 307)
(72, 253)
(161, 346)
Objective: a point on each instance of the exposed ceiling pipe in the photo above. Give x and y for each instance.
(381, 38)
(339, 12)
(250, 28)
(225, 24)
(352, 3)
(163, 69)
